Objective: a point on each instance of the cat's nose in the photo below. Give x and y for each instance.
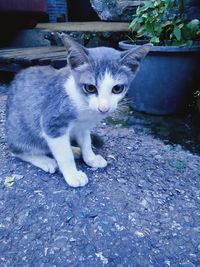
(103, 109)
(103, 105)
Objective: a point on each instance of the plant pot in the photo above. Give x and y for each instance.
(167, 78)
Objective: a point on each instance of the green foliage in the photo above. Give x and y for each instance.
(163, 22)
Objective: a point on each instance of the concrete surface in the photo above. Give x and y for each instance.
(142, 210)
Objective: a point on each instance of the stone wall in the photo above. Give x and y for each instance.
(115, 10)
(123, 10)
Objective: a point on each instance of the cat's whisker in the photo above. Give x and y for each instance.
(86, 108)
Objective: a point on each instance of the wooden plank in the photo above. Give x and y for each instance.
(24, 49)
(16, 59)
(46, 55)
(90, 26)
(35, 57)
(31, 56)
(56, 58)
(33, 51)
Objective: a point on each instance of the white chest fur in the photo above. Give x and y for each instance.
(85, 121)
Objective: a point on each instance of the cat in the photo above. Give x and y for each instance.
(48, 107)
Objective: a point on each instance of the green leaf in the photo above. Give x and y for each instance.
(141, 31)
(194, 24)
(177, 33)
(145, 15)
(169, 3)
(157, 28)
(134, 24)
(148, 4)
(189, 43)
(181, 25)
(149, 27)
(167, 23)
(154, 40)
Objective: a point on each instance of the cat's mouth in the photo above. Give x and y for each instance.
(105, 113)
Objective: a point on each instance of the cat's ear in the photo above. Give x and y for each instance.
(77, 54)
(134, 56)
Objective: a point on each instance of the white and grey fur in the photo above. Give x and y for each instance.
(47, 108)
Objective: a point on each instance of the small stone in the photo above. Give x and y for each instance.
(131, 217)
(9, 181)
(88, 214)
(119, 227)
(102, 258)
(167, 262)
(158, 157)
(187, 264)
(72, 239)
(93, 169)
(111, 157)
(139, 234)
(153, 152)
(144, 203)
(122, 181)
(68, 217)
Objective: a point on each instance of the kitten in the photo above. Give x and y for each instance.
(47, 108)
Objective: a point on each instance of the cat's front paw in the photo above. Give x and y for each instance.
(96, 161)
(77, 179)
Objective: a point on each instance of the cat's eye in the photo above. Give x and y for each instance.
(118, 89)
(89, 89)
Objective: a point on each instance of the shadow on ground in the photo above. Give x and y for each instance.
(182, 129)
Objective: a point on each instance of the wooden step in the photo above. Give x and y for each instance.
(15, 59)
(89, 26)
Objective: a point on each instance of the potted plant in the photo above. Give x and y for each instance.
(170, 73)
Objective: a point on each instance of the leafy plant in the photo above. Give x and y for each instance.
(163, 22)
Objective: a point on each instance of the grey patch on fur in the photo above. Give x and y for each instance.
(37, 92)
(101, 60)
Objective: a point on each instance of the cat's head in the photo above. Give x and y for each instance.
(102, 75)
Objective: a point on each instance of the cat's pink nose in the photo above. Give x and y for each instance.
(104, 105)
(103, 109)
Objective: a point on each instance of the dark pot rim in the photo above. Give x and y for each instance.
(125, 45)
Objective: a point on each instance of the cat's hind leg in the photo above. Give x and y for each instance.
(43, 162)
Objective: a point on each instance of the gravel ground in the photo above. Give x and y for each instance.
(143, 209)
